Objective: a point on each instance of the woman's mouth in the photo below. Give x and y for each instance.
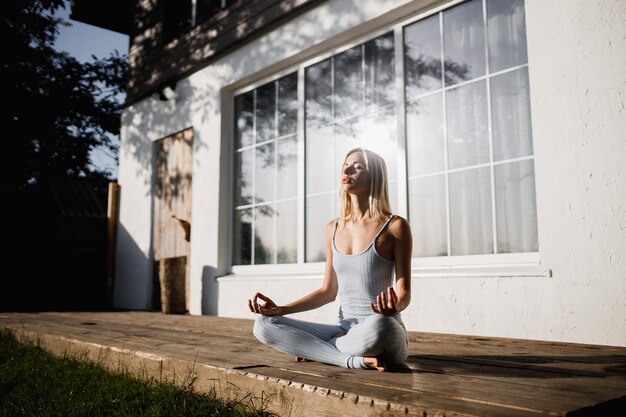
(345, 180)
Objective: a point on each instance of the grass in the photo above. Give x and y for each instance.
(36, 383)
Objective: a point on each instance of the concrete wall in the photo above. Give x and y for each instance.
(576, 53)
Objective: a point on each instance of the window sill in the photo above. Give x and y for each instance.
(316, 271)
(502, 271)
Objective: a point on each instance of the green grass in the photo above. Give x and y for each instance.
(36, 383)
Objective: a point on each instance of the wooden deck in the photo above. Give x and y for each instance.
(446, 375)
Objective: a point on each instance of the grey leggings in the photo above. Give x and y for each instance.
(341, 345)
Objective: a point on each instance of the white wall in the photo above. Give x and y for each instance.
(576, 52)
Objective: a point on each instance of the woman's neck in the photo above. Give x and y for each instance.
(360, 207)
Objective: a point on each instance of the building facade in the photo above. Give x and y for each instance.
(502, 124)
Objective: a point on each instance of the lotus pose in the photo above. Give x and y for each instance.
(365, 248)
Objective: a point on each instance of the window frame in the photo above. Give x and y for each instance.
(522, 264)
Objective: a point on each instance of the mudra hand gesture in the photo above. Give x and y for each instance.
(268, 308)
(386, 304)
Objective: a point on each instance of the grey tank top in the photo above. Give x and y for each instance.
(361, 277)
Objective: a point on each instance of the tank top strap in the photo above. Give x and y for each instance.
(382, 229)
(336, 224)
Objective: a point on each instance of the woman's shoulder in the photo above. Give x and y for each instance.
(330, 226)
(399, 226)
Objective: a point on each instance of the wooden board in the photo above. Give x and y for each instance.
(445, 374)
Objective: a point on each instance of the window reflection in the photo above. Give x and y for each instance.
(264, 242)
(265, 112)
(288, 104)
(506, 22)
(286, 238)
(242, 231)
(510, 114)
(471, 225)
(515, 207)
(244, 109)
(428, 215)
(464, 41)
(422, 56)
(466, 112)
(425, 139)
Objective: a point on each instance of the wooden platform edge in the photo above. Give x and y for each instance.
(278, 396)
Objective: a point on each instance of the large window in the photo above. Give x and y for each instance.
(461, 167)
(266, 174)
(469, 143)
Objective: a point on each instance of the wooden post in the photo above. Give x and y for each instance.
(112, 216)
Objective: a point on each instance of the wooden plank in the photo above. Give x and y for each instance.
(499, 378)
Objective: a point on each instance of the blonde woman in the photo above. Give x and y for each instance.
(365, 248)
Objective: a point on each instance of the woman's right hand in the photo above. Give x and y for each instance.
(268, 308)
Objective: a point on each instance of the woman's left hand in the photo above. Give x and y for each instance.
(386, 304)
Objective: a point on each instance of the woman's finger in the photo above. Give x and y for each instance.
(391, 302)
(374, 309)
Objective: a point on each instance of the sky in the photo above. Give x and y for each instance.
(81, 41)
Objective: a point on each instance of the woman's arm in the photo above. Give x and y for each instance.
(394, 301)
(323, 295)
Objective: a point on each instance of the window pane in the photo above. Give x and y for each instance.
(349, 82)
(266, 112)
(422, 56)
(506, 34)
(244, 114)
(242, 237)
(319, 211)
(466, 110)
(287, 168)
(287, 237)
(515, 207)
(379, 72)
(319, 157)
(243, 177)
(424, 131)
(510, 114)
(288, 104)
(471, 228)
(464, 42)
(265, 173)
(318, 92)
(264, 227)
(427, 213)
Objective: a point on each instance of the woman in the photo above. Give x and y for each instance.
(364, 247)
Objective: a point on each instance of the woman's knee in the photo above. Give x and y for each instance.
(262, 329)
(382, 326)
(388, 335)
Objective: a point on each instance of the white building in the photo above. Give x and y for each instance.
(503, 124)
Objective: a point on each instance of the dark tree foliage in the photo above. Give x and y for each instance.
(57, 109)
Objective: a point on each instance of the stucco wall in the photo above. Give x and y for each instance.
(576, 53)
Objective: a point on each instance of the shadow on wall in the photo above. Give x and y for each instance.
(209, 291)
(135, 291)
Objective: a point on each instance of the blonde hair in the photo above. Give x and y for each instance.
(379, 206)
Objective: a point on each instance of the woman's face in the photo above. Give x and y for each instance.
(355, 178)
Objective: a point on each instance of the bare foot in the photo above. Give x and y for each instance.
(375, 363)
